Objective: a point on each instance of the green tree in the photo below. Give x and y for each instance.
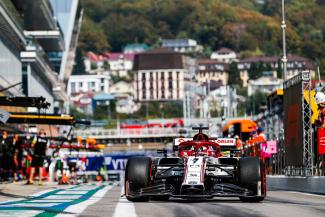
(79, 66)
(234, 76)
(256, 103)
(253, 71)
(279, 70)
(92, 37)
(106, 65)
(243, 25)
(76, 113)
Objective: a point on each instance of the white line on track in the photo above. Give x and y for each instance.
(25, 213)
(77, 209)
(308, 194)
(33, 195)
(124, 208)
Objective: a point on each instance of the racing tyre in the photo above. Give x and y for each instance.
(251, 175)
(137, 176)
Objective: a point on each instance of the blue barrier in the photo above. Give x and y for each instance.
(114, 161)
(117, 161)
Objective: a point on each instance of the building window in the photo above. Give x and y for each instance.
(177, 84)
(170, 85)
(157, 83)
(163, 93)
(144, 94)
(162, 80)
(151, 94)
(137, 82)
(144, 81)
(151, 81)
(170, 80)
(73, 87)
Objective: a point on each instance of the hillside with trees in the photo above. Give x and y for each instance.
(251, 27)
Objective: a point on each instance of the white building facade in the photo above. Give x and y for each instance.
(182, 45)
(224, 55)
(160, 85)
(212, 70)
(88, 83)
(265, 84)
(162, 75)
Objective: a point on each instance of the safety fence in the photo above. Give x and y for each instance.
(127, 133)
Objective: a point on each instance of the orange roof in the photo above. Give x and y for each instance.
(246, 125)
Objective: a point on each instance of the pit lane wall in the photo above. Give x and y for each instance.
(314, 184)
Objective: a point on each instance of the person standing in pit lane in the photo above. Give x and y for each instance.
(4, 144)
(39, 144)
(260, 135)
(320, 101)
(320, 122)
(17, 154)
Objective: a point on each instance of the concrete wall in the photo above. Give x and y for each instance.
(10, 67)
(36, 88)
(314, 184)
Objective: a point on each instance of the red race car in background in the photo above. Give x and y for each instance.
(204, 168)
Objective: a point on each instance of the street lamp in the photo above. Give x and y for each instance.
(284, 57)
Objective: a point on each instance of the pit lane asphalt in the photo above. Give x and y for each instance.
(277, 203)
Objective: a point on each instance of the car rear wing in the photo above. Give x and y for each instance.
(223, 142)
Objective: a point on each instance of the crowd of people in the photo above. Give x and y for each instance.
(20, 155)
(25, 156)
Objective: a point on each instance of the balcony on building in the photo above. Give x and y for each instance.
(41, 24)
(11, 25)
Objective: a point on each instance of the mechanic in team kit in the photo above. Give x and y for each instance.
(320, 101)
(17, 155)
(39, 144)
(4, 144)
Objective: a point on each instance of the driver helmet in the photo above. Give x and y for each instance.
(203, 149)
(320, 99)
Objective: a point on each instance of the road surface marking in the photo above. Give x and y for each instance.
(60, 202)
(80, 207)
(72, 192)
(308, 194)
(64, 197)
(124, 208)
(35, 204)
(24, 213)
(49, 201)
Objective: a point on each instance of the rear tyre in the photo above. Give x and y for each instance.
(137, 176)
(251, 175)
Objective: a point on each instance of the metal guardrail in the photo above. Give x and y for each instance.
(135, 133)
(312, 184)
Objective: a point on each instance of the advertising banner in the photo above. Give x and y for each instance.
(271, 147)
(117, 161)
(293, 128)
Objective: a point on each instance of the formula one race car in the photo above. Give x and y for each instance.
(205, 168)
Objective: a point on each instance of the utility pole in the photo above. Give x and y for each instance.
(284, 57)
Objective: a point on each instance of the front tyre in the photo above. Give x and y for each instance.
(252, 176)
(137, 176)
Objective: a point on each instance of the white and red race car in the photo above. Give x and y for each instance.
(205, 168)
